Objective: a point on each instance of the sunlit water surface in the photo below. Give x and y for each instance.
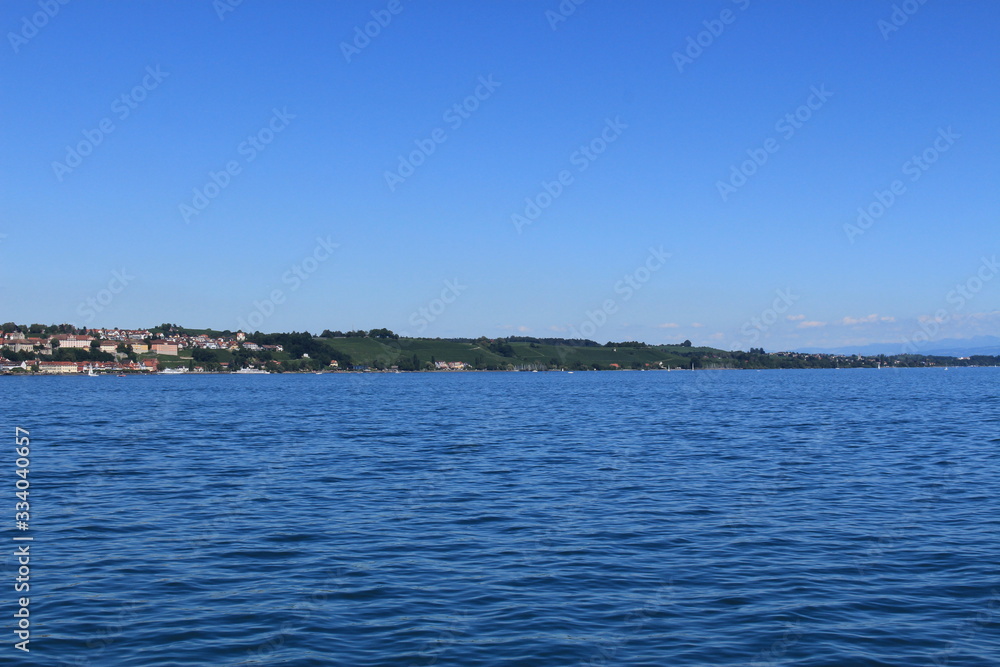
(621, 518)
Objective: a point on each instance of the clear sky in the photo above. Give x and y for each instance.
(697, 168)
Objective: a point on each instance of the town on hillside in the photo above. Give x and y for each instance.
(64, 349)
(111, 350)
(169, 348)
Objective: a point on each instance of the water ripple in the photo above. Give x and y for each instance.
(714, 518)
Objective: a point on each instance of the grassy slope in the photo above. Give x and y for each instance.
(365, 350)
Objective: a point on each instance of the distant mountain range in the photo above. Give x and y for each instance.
(946, 347)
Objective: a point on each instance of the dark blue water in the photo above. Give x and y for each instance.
(709, 518)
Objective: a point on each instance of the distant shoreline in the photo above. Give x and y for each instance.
(65, 349)
(476, 370)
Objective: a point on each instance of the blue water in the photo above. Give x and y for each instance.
(709, 518)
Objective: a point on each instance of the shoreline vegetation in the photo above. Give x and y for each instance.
(65, 349)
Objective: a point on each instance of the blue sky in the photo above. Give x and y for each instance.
(311, 233)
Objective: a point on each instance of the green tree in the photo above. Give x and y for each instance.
(204, 356)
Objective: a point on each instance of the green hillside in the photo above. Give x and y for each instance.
(384, 353)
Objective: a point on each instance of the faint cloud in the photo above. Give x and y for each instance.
(860, 320)
(809, 325)
(795, 318)
(697, 325)
(717, 336)
(668, 325)
(523, 329)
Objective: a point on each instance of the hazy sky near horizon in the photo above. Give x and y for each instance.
(630, 170)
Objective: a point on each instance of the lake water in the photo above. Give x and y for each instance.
(631, 518)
